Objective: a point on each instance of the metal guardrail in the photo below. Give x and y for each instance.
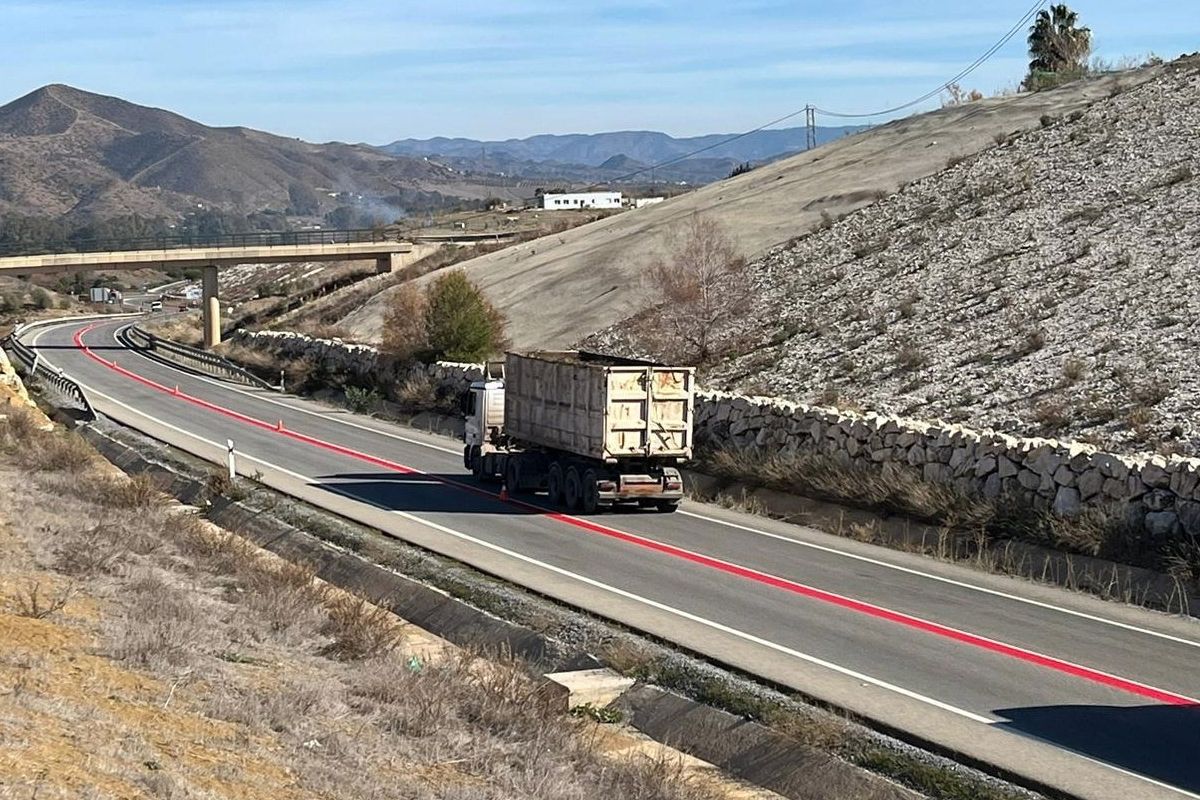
(255, 239)
(36, 368)
(196, 358)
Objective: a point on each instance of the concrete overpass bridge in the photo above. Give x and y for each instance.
(212, 254)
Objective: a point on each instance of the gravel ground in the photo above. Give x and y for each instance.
(1047, 286)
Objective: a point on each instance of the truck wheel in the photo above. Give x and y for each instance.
(572, 489)
(667, 506)
(476, 461)
(590, 498)
(467, 457)
(554, 484)
(512, 475)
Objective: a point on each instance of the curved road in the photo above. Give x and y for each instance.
(1088, 698)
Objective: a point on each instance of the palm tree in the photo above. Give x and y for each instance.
(1057, 47)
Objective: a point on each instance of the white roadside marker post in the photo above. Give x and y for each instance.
(232, 465)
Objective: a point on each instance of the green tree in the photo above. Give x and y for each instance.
(460, 323)
(1058, 48)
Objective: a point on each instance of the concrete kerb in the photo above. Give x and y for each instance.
(670, 719)
(752, 751)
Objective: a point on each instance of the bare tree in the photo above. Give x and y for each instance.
(703, 290)
(404, 322)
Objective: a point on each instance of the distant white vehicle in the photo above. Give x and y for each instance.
(156, 305)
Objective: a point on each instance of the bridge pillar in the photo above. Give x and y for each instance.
(390, 263)
(212, 308)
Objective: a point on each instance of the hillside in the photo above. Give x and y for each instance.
(596, 273)
(1047, 286)
(66, 151)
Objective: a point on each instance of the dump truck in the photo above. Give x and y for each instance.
(590, 431)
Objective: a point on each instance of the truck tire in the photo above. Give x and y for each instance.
(475, 459)
(572, 489)
(554, 484)
(467, 457)
(667, 506)
(512, 475)
(589, 500)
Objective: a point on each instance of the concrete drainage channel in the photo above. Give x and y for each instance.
(666, 694)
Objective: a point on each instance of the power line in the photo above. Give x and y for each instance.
(991, 51)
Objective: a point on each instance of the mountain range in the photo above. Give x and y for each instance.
(69, 153)
(64, 151)
(643, 147)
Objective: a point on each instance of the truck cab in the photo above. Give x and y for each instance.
(483, 408)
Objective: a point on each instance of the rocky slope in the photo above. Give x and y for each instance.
(66, 151)
(1047, 286)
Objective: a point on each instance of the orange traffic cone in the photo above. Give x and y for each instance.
(503, 492)
(279, 425)
(176, 392)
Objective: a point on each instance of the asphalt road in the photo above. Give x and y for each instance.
(1087, 697)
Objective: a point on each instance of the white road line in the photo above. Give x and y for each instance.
(1094, 760)
(757, 531)
(751, 638)
(941, 579)
(219, 448)
(320, 415)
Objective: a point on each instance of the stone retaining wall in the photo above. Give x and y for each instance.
(363, 365)
(1163, 494)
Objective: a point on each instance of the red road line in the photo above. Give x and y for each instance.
(841, 601)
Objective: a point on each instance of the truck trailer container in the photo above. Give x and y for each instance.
(590, 431)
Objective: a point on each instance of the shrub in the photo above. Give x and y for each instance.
(417, 392)
(871, 247)
(138, 491)
(404, 328)
(1051, 415)
(41, 298)
(460, 323)
(910, 357)
(360, 630)
(1073, 369)
(57, 452)
(360, 399)
(32, 601)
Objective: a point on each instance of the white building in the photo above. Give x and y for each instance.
(642, 202)
(562, 202)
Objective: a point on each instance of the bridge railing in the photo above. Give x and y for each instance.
(37, 369)
(191, 357)
(253, 239)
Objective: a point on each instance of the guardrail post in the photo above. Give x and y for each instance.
(37, 359)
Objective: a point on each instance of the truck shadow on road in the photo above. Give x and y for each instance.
(1161, 742)
(423, 493)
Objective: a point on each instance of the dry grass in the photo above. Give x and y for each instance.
(37, 602)
(360, 630)
(228, 669)
(975, 524)
(185, 330)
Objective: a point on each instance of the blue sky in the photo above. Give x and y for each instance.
(376, 71)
